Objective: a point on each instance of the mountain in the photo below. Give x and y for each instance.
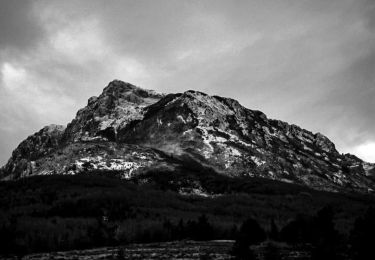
(131, 132)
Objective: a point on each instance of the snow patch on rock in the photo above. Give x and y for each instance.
(99, 163)
(257, 161)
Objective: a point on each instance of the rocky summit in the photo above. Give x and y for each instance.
(128, 131)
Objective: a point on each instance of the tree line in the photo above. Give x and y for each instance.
(317, 234)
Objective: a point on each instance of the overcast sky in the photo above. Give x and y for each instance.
(307, 62)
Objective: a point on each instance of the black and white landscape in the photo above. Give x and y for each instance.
(196, 154)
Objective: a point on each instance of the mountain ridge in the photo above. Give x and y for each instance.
(125, 128)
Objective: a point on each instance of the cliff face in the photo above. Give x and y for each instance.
(22, 162)
(240, 142)
(119, 104)
(129, 131)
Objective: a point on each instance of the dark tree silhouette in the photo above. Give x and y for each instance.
(241, 250)
(250, 233)
(180, 230)
(325, 237)
(272, 252)
(362, 236)
(298, 231)
(319, 231)
(274, 233)
(200, 230)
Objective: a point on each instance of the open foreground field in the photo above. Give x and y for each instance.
(217, 249)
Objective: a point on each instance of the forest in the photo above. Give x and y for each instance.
(55, 213)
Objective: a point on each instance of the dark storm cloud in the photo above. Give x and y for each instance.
(18, 26)
(309, 62)
(369, 13)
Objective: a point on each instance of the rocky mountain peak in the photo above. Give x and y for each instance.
(119, 104)
(118, 85)
(53, 128)
(133, 130)
(118, 89)
(324, 143)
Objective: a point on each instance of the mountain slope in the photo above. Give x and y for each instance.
(22, 162)
(130, 131)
